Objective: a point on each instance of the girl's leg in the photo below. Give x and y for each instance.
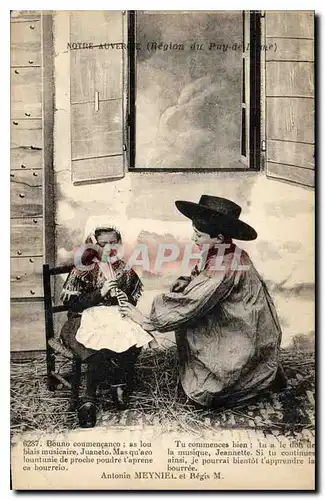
(118, 368)
(122, 383)
(96, 368)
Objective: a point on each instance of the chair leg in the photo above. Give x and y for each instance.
(75, 383)
(52, 382)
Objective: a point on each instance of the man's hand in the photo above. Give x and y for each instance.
(128, 310)
(180, 284)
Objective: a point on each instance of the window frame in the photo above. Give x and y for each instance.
(253, 159)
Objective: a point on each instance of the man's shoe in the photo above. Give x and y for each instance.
(280, 381)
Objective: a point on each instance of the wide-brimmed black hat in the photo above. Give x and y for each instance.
(218, 212)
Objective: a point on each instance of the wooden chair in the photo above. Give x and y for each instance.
(54, 348)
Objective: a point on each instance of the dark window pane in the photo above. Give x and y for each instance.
(243, 132)
(244, 84)
(244, 38)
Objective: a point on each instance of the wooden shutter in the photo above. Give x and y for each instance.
(290, 96)
(97, 95)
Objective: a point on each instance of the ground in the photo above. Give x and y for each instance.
(158, 399)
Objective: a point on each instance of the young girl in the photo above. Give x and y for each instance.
(84, 289)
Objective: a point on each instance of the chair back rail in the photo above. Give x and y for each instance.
(49, 307)
(53, 376)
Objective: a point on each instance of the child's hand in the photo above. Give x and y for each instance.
(108, 287)
(121, 296)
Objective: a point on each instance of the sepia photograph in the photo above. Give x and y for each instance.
(162, 257)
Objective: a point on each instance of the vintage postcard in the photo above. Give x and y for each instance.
(162, 250)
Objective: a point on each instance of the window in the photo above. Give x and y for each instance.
(194, 90)
(183, 96)
(176, 99)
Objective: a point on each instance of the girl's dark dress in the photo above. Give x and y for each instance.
(81, 290)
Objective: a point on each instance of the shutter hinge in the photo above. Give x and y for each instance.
(124, 148)
(263, 146)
